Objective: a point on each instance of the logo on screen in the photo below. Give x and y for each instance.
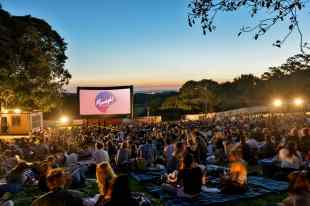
(104, 100)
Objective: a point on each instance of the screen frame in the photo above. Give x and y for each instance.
(105, 116)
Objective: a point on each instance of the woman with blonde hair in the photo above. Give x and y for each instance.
(105, 179)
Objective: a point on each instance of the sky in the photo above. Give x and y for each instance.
(148, 44)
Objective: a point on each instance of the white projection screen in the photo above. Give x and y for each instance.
(105, 101)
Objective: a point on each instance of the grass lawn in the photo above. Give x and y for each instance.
(26, 197)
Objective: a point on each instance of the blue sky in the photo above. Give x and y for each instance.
(149, 44)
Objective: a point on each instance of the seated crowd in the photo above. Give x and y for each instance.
(58, 161)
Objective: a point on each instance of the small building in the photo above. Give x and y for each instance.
(17, 122)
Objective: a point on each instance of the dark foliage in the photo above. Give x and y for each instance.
(276, 11)
(32, 58)
(287, 81)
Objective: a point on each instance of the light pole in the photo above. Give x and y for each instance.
(277, 105)
(299, 103)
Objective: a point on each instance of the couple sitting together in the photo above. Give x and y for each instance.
(113, 190)
(188, 180)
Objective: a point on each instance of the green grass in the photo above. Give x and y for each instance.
(26, 197)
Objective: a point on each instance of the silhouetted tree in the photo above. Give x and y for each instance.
(290, 79)
(32, 58)
(276, 11)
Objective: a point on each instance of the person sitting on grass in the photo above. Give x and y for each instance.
(168, 149)
(121, 195)
(305, 141)
(236, 180)
(267, 150)
(299, 190)
(191, 177)
(187, 181)
(59, 196)
(100, 154)
(105, 180)
(147, 152)
(193, 147)
(177, 156)
(122, 157)
(289, 157)
(15, 179)
(45, 167)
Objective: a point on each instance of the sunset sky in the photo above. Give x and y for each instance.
(148, 43)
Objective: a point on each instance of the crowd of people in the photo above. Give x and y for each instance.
(59, 160)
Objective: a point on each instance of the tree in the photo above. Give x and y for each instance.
(245, 86)
(194, 96)
(6, 98)
(289, 79)
(292, 77)
(205, 12)
(32, 59)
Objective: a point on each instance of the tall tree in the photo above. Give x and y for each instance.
(32, 59)
(194, 96)
(291, 78)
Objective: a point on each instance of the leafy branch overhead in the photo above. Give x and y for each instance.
(205, 11)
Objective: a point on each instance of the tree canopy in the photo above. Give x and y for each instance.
(32, 59)
(289, 79)
(275, 11)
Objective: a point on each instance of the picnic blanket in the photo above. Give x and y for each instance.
(149, 175)
(269, 184)
(257, 187)
(206, 199)
(265, 162)
(215, 170)
(152, 174)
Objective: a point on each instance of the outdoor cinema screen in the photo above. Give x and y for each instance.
(95, 101)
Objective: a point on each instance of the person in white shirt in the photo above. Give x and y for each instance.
(290, 157)
(100, 154)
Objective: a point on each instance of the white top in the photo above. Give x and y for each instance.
(100, 156)
(289, 162)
